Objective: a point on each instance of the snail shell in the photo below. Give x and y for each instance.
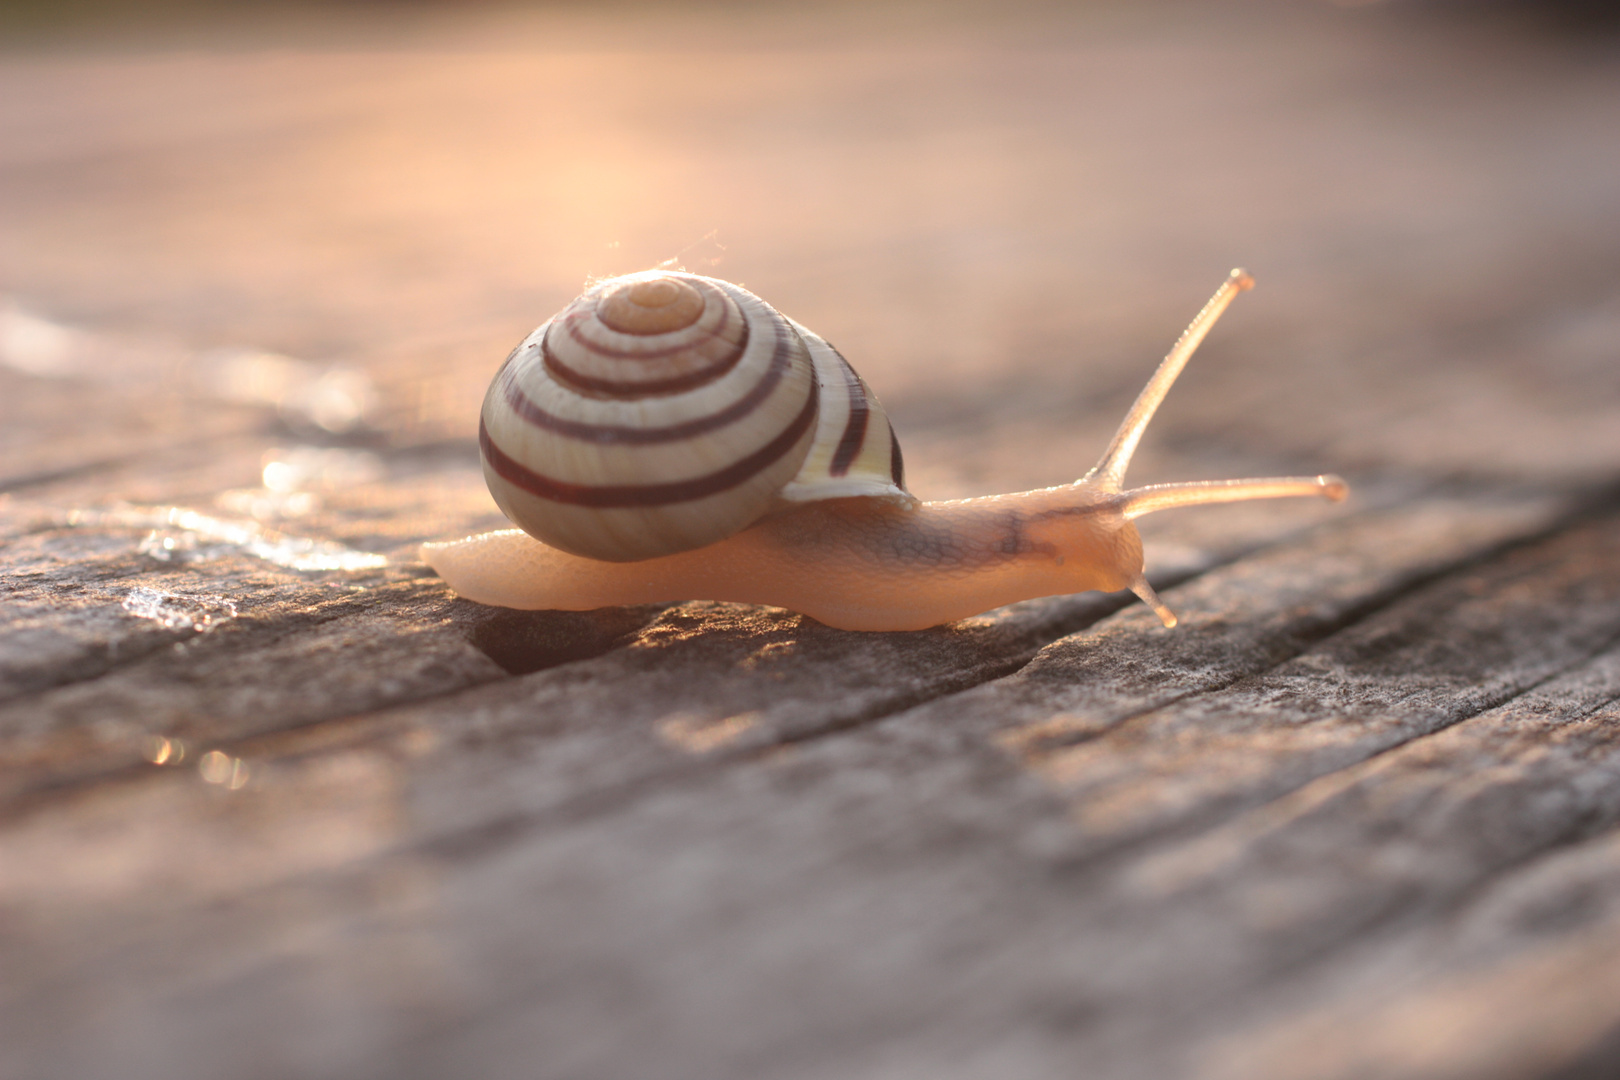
(663, 411)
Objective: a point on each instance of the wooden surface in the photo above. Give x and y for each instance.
(274, 804)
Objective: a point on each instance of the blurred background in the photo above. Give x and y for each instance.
(328, 223)
(258, 263)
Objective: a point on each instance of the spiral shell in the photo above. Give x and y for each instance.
(664, 411)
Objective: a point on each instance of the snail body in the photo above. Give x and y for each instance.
(771, 476)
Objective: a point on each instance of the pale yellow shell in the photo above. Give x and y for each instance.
(663, 411)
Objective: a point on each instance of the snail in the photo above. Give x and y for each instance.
(672, 437)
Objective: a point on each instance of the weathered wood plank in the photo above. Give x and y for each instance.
(1438, 655)
(493, 797)
(264, 815)
(1501, 824)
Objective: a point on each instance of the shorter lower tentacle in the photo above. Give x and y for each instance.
(1145, 591)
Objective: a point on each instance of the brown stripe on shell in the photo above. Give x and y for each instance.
(572, 319)
(615, 388)
(897, 467)
(621, 434)
(849, 443)
(633, 495)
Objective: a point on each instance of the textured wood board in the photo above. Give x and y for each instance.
(273, 803)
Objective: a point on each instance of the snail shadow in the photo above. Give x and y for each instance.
(522, 642)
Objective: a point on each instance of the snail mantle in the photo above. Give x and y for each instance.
(673, 437)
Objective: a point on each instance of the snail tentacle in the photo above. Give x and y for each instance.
(1155, 497)
(1110, 470)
